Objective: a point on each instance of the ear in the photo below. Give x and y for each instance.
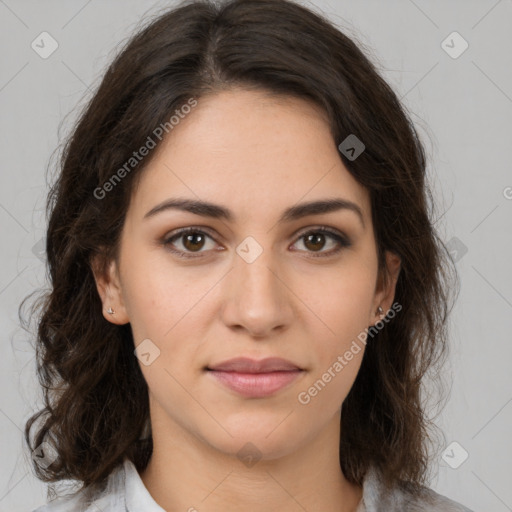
(386, 285)
(109, 289)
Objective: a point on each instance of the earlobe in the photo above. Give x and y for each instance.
(109, 289)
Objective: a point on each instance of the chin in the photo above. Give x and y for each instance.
(269, 439)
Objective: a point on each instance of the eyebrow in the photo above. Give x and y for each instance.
(296, 212)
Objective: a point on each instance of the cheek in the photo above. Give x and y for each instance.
(344, 301)
(169, 306)
(343, 304)
(157, 295)
(339, 349)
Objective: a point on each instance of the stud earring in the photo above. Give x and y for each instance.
(110, 311)
(380, 311)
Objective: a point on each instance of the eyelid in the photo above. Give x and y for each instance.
(320, 228)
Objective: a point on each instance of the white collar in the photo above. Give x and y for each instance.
(137, 496)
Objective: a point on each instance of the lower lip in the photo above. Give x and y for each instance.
(256, 385)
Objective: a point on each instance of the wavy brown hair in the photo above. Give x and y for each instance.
(95, 397)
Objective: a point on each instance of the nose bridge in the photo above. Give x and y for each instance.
(257, 298)
(258, 276)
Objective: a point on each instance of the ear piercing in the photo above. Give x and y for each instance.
(110, 311)
(380, 311)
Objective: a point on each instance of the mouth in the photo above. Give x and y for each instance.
(248, 365)
(255, 385)
(255, 379)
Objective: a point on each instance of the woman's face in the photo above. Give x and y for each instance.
(257, 283)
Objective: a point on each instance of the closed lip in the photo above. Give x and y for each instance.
(248, 365)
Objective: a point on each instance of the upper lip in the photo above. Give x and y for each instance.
(248, 365)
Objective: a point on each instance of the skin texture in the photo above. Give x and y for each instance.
(257, 156)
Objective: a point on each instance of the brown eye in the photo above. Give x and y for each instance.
(191, 240)
(316, 240)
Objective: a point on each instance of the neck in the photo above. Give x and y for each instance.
(186, 473)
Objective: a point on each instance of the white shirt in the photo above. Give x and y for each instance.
(125, 492)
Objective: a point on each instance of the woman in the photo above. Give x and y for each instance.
(247, 289)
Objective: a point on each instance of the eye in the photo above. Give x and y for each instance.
(314, 241)
(193, 240)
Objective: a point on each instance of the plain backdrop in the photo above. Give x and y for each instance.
(461, 104)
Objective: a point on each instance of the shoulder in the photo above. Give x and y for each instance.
(110, 498)
(376, 498)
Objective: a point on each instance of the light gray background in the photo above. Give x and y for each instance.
(462, 108)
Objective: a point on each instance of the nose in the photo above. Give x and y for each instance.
(256, 297)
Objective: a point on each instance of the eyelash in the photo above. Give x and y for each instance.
(343, 241)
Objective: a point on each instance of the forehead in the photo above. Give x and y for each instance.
(250, 151)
